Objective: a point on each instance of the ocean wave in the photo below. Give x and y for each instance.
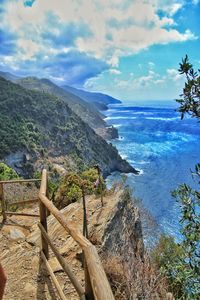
(123, 156)
(119, 118)
(120, 138)
(141, 172)
(142, 113)
(117, 125)
(162, 118)
(138, 162)
(180, 136)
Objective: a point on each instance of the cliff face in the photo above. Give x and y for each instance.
(122, 235)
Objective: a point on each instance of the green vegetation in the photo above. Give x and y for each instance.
(6, 173)
(44, 126)
(180, 263)
(87, 112)
(73, 184)
(190, 98)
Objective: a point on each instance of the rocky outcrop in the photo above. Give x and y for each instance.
(108, 133)
(122, 236)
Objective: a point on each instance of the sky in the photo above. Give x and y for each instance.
(130, 49)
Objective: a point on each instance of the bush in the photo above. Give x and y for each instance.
(69, 191)
(71, 187)
(7, 173)
(91, 176)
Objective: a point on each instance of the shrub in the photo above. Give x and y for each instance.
(7, 173)
(72, 184)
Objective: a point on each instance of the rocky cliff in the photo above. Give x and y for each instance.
(122, 236)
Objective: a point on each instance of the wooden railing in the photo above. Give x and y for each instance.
(96, 283)
(4, 211)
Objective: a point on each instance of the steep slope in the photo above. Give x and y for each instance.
(87, 112)
(98, 99)
(39, 128)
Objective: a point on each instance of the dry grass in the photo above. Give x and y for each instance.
(137, 281)
(115, 273)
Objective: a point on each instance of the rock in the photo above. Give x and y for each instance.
(29, 289)
(35, 262)
(16, 234)
(123, 233)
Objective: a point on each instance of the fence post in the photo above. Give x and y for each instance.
(3, 210)
(47, 194)
(85, 228)
(88, 286)
(101, 185)
(43, 213)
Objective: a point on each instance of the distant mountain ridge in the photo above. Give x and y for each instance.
(9, 76)
(39, 129)
(89, 112)
(86, 111)
(99, 99)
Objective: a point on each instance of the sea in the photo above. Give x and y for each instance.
(165, 149)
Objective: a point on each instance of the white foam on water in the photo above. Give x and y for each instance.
(145, 113)
(162, 118)
(117, 125)
(120, 138)
(120, 118)
(123, 156)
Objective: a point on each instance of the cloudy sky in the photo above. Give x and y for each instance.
(130, 49)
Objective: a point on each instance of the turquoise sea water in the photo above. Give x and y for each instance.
(164, 149)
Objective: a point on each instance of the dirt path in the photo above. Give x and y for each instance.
(20, 250)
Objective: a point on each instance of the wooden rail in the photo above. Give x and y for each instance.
(53, 277)
(97, 285)
(23, 202)
(19, 181)
(64, 265)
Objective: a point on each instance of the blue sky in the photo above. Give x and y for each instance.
(130, 49)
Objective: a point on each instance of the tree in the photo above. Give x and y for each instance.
(182, 268)
(190, 98)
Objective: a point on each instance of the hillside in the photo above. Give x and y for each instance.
(98, 99)
(40, 129)
(87, 112)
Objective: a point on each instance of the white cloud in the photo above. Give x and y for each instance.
(174, 75)
(115, 71)
(171, 9)
(134, 25)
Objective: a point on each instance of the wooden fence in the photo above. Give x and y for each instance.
(96, 284)
(4, 212)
